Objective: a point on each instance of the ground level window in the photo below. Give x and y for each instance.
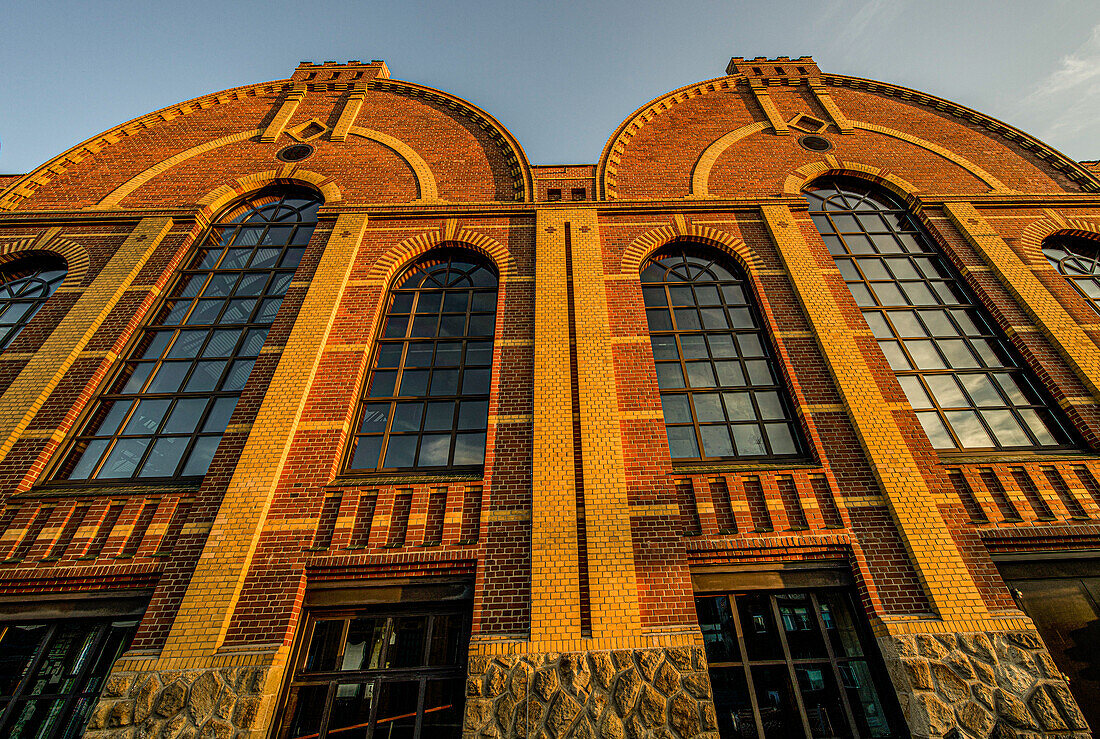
(793, 663)
(51, 674)
(392, 673)
(1062, 597)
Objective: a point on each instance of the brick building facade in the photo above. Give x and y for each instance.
(324, 413)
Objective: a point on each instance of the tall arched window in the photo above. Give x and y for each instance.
(967, 386)
(1079, 260)
(25, 284)
(721, 391)
(426, 403)
(164, 414)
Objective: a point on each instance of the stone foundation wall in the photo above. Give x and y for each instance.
(644, 694)
(212, 704)
(979, 685)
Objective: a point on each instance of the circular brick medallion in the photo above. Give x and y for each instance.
(295, 153)
(815, 143)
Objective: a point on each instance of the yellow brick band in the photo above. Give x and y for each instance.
(612, 584)
(943, 574)
(206, 610)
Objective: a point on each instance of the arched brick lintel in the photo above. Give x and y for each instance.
(393, 262)
(75, 256)
(289, 174)
(1031, 239)
(651, 241)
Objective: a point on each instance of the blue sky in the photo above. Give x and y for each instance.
(560, 75)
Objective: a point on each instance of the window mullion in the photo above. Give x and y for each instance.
(745, 665)
(792, 676)
(833, 663)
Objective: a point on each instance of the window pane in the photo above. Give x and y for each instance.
(397, 708)
(933, 349)
(732, 703)
(778, 710)
(186, 367)
(701, 352)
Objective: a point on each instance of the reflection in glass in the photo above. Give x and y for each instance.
(180, 371)
(51, 673)
(706, 339)
(380, 674)
(948, 357)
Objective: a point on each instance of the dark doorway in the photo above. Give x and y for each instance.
(1063, 598)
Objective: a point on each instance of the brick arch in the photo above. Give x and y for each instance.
(28, 184)
(651, 241)
(394, 261)
(797, 181)
(425, 180)
(75, 256)
(700, 176)
(1035, 233)
(212, 202)
(608, 164)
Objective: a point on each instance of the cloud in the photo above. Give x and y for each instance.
(849, 29)
(1066, 102)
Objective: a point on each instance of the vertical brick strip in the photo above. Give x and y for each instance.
(612, 579)
(204, 615)
(913, 507)
(555, 606)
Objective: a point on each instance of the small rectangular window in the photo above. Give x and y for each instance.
(554, 193)
(579, 193)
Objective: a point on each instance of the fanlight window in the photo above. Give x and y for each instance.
(967, 386)
(165, 412)
(1079, 260)
(25, 284)
(720, 388)
(426, 403)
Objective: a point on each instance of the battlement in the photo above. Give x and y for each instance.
(782, 66)
(351, 71)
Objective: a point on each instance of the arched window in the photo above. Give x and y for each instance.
(967, 386)
(163, 415)
(720, 388)
(1079, 260)
(25, 284)
(426, 404)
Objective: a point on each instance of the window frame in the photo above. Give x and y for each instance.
(363, 399)
(1057, 241)
(781, 385)
(85, 674)
(152, 325)
(972, 330)
(869, 654)
(298, 678)
(32, 263)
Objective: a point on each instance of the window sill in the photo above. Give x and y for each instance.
(411, 477)
(67, 489)
(1051, 456)
(696, 467)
